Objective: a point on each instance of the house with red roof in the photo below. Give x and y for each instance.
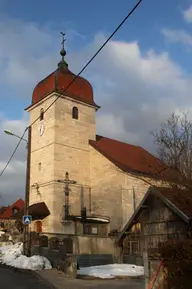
(81, 183)
(6, 213)
(2, 210)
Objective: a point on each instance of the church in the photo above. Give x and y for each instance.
(81, 183)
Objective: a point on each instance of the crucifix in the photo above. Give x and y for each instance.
(67, 182)
(63, 39)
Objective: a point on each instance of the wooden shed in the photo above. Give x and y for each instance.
(164, 214)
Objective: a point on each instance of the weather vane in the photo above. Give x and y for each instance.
(63, 39)
(63, 63)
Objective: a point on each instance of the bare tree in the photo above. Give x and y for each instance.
(174, 143)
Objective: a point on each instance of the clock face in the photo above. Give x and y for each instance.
(41, 130)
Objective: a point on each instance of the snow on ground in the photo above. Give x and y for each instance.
(2, 233)
(111, 271)
(12, 255)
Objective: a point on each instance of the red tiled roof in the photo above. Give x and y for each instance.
(182, 199)
(127, 157)
(2, 210)
(8, 212)
(37, 211)
(57, 81)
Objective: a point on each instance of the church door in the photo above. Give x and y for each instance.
(38, 227)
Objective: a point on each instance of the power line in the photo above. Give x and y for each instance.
(92, 58)
(98, 51)
(17, 146)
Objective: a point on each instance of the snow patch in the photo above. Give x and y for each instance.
(12, 255)
(111, 271)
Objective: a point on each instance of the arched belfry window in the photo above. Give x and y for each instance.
(75, 113)
(41, 114)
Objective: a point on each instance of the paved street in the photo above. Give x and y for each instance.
(57, 278)
(11, 278)
(104, 284)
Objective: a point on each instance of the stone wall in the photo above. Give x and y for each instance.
(80, 245)
(63, 147)
(90, 244)
(88, 251)
(101, 186)
(115, 193)
(63, 262)
(134, 188)
(106, 191)
(95, 245)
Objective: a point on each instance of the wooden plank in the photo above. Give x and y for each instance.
(146, 268)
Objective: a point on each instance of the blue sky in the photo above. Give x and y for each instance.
(88, 18)
(139, 79)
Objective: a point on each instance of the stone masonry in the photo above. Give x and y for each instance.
(64, 146)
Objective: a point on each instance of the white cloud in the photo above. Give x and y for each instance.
(12, 183)
(177, 36)
(136, 91)
(180, 35)
(29, 53)
(187, 14)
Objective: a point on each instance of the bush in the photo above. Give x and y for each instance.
(177, 258)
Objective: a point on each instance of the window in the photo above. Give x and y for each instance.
(14, 210)
(90, 229)
(133, 247)
(39, 167)
(136, 228)
(75, 113)
(41, 114)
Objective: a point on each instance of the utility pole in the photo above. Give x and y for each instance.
(26, 245)
(27, 187)
(67, 182)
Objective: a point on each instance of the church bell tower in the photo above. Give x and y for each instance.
(62, 119)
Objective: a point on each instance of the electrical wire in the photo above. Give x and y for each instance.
(92, 58)
(10, 159)
(98, 51)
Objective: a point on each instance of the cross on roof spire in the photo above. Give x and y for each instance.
(63, 63)
(63, 40)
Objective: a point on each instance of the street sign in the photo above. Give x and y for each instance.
(27, 220)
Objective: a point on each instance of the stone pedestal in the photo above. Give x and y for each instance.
(68, 265)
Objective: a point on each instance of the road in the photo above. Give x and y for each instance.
(105, 284)
(12, 278)
(57, 278)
